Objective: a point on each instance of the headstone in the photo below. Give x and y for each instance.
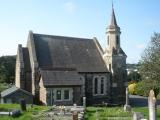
(23, 104)
(75, 105)
(152, 105)
(84, 102)
(75, 115)
(137, 116)
(127, 107)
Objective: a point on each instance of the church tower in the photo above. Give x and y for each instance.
(115, 60)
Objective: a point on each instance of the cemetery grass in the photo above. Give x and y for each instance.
(26, 115)
(145, 111)
(104, 113)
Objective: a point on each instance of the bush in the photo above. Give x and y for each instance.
(142, 88)
(131, 88)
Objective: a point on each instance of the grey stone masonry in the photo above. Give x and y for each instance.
(115, 59)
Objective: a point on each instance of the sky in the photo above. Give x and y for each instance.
(138, 20)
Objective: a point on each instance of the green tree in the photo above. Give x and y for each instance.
(134, 76)
(7, 69)
(150, 65)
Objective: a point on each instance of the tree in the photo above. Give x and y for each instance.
(150, 64)
(7, 69)
(134, 76)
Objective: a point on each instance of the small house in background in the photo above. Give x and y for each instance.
(14, 94)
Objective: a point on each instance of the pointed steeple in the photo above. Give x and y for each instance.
(113, 33)
(113, 23)
(113, 19)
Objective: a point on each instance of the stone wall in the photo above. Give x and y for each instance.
(119, 77)
(48, 95)
(117, 66)
(96, 99)
(33, 61)
(77, 95)
(19, 71)
(42, 91)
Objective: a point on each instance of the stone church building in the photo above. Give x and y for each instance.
(60, 70)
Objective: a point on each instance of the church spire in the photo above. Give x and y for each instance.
(113, 33)
(113, 18)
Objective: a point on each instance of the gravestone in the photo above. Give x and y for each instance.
(138, 116)
(127, 107)
(23, 104)
(75, 115)
(84, 102)
(152, 105)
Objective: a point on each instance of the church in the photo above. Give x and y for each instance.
(60, 70)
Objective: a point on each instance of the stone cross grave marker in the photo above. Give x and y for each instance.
(152, 105)
(127, 107)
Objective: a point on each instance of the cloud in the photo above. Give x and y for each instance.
(70, 7)
(141, 46)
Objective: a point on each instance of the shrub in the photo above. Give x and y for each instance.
(131, 88)
(142, 88)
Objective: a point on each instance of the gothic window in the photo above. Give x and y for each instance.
(95, 85)
(117, 39)
(99, 85)
(108, 40)
(102, 85)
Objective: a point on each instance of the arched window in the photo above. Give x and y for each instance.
(108, 40)
(99, 85)
(96, 85)
(117, 39)
(102, 85)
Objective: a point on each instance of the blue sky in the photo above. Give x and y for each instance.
(138, 20)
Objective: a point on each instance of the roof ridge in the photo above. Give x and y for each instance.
(60, 36)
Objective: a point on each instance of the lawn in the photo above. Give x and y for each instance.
(106, 113)
(145, 112)
(27, 115)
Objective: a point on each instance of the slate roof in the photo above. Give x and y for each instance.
(11, 90)
(113, 22)
(113, 19)
(58, 52)
(51, 77)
